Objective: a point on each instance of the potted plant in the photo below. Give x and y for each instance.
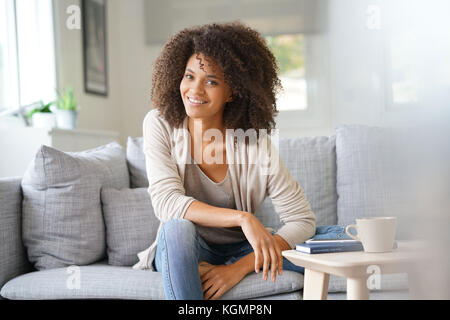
(66, 110)
(42, 116)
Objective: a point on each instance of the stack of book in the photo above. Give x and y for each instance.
(329, 245)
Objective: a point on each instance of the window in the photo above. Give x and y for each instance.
(27, 56)
(416, 55)
(296, 29)
(404, 76)
(8, 57)
(288, 50)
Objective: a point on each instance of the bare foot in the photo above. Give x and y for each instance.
(204, 267)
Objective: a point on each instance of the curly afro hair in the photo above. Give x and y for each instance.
(249, 68)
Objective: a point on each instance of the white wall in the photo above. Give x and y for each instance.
(96, 111)
(129, 69)
(136, 59)
(348, 62)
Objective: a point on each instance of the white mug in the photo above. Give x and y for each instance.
(376, 234)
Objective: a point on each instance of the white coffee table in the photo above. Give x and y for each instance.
(353, 266)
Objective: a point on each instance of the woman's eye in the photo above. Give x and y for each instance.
(209, 82)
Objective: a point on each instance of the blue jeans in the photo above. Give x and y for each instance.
(331, 232)
(179, 251)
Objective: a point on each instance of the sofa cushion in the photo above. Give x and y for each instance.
(62, 217)
(312, 162)
(131, 224)
(253, 286)
(136, 163)
(101, 281)
(372, 170)
(294, 295)
(96, 281)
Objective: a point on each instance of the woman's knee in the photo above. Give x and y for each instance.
(180, 231)
(179, 226)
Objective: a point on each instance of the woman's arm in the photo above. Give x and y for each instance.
(246, 264)
(266, 248)
(216, 280)
(210, 216)
(166, 190)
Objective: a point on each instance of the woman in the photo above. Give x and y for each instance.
(206, 179)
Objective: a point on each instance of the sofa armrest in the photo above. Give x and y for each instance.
(13, 258)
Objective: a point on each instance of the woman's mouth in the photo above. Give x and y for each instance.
(195, 102)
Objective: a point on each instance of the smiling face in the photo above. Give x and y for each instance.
(204, 91)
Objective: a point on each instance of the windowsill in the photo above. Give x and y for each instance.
(11, 122)
(77, 131)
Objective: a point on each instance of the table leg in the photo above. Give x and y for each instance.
(357, 289)
(315, 286)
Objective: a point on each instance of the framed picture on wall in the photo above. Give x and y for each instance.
(94, 47)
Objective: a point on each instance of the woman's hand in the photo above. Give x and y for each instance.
(216, 280)
(267, 250)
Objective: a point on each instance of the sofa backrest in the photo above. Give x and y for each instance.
(311, 161)
(13, 259)
(379, 173)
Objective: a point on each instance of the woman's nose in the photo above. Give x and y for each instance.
(197, 87)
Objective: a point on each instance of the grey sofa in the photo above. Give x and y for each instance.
(331, 171)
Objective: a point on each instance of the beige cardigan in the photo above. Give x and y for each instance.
(254, 175)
